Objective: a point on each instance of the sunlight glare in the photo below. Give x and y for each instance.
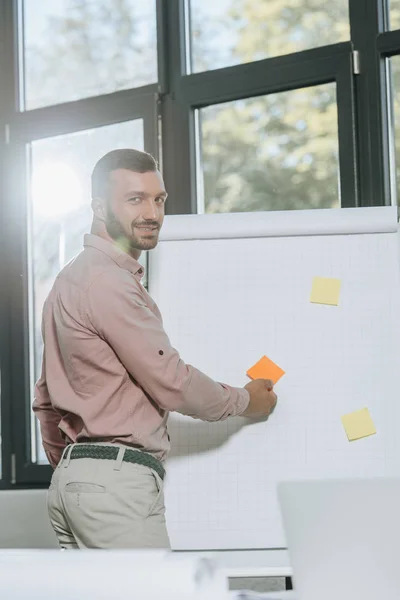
(56, 190)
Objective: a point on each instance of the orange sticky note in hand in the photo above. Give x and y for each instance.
(265, 368)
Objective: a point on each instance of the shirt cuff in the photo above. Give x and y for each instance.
(242, 401)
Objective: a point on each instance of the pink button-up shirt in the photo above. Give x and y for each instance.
(109, 372)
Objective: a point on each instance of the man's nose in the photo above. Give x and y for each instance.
(150, 212)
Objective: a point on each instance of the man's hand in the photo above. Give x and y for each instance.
(262, 398)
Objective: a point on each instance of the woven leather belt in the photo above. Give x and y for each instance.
(111, 453)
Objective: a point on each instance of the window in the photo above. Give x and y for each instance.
(231, 32)
(395, 87)
(270, 153)
(394, 14)
(74, 50)
(60, 214)
(247, 104)
(1, 449)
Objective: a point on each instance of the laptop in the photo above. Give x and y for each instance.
(343, 538)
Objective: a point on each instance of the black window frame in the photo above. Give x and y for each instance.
(359, 67)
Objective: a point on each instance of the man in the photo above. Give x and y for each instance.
(110, 375)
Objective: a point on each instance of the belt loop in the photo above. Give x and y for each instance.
(64, 454)
(119, 459)
(67, 455)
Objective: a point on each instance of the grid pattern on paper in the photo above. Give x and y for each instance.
(225, 303)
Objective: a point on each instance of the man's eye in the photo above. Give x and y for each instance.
(160, 200)
(134, 199)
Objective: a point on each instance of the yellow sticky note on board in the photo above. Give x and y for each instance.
(325, 291)
(265, 368)
(358, 424)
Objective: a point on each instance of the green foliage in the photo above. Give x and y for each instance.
(278, 151)
(91, 48)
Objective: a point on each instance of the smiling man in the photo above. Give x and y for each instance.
(110, 376)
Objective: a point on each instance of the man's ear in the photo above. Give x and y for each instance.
(98, 209)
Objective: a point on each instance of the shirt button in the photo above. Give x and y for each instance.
(161, 352)
(140, 271)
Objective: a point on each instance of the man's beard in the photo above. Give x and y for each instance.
(128, 241)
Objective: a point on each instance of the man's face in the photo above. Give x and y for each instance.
(135, 209)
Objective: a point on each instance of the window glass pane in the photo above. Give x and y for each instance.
(76, 49)
(394, 14)
(1, 429)
(395, 72)
(60, 213)
(229, 32)
(4, 346)
(273, 152)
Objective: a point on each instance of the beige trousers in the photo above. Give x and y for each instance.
(97, 503)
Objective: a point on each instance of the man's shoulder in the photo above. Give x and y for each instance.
(90, 268)
(110, 276)
(110, 279)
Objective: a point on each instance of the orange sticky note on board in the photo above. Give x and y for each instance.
(265, 368)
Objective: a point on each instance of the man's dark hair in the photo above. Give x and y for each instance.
(127, 158)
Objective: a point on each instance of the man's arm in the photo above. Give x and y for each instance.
(118, 312)
(53, 443)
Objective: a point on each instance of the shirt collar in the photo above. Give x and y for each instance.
(120, 257)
